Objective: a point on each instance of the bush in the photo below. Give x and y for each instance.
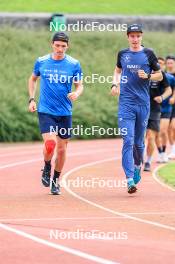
(97, 53)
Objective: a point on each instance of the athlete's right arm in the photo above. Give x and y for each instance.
(115, 90)
(32, 89)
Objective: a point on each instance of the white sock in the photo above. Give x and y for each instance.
(173, 148)
(149, 159)
(129, 179)
(137, 166)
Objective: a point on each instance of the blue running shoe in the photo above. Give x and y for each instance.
(55, 188)
(137, 176)
(131, 186)
(45, 179)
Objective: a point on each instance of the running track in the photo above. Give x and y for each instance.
(28, 212)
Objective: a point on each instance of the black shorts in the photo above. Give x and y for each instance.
(166, 115)
(61, 125)
(154, 125)
(173, 112)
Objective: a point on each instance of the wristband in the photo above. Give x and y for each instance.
(149, 76)
(162, 98)
(31, 99)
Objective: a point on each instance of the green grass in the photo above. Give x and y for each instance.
(97, 54)
(136, 7)
(167, 174)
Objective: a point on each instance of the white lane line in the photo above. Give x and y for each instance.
(66, 175)
(69, 250)
(60, 218)
(156, 177)
(20, 163)
(45, 242)
(41, 159)
(84, 218)
(75, 252)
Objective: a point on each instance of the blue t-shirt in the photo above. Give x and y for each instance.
(165, 106)
(134, 90)
(56, 78)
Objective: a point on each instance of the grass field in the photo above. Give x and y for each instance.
(136, 7)
(97, 54)
(167, 174)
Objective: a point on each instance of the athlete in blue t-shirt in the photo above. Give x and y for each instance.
(131, 78)
(57, 72)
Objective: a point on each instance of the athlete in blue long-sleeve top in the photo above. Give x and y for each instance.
(131, 80)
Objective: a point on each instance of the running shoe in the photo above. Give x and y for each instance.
(131, 186)
(55, 188)
(46, 177)
(147, 166)
(165, 157)
(160, 158)
(137, 176)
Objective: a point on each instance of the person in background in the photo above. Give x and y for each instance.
(159, 91)
(170, 68)
(166, 115)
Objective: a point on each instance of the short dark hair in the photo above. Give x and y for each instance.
(170, 57)
(60, 36)
(161, 58)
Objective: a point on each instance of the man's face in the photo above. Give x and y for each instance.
(135, 39)
(162, 64)
(170, 65)
(59, 48)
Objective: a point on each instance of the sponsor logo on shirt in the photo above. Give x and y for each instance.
(133, 66)
(127, 58)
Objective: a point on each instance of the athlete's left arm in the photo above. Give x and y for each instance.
(154, 66)
(78, 91)
(156, 76)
